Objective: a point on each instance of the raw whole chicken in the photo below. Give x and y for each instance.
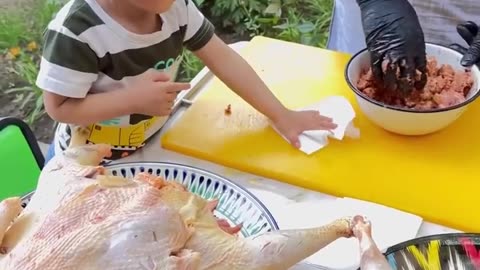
(81, 218)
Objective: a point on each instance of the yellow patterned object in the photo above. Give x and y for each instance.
(437, 252)
(432, 258)
(131, 136)
(436, 177)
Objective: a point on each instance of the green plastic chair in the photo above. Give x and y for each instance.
(21, 159)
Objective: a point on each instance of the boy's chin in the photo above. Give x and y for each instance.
(155, 6)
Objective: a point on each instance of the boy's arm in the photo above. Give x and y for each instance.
(68, 69)
(150, 93)
(91, 109)
(239, 76)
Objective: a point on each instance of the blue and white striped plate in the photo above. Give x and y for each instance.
(236, 204)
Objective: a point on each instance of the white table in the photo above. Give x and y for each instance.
(281, 194)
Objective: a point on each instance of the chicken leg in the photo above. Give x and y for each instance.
(9, 209)
(79, 135)
(283, 249)
(88, 155)
(370, 256)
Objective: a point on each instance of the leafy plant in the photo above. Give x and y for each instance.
(16, 30)
(301, 21)
(29, 97)
(238, 16)
(191, 65)
(44, 11)
(20, 39)
(13, 30)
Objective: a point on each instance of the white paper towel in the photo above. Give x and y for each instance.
(340, 110)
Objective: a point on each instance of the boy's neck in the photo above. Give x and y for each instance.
(131, 17)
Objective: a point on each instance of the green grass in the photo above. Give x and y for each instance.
(302, 21)
(191, 65)
(21, 39)
(29, 96)
(21, 26)
(43, 12)
(13, 30)
(306, 22)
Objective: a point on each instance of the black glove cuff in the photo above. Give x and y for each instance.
(458, 48)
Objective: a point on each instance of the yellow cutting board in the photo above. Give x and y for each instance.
(435, 176)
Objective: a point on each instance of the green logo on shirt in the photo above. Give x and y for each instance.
(165, 65)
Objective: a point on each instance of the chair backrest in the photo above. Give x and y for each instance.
(21, 159)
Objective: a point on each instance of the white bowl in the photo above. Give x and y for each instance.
(407, 121)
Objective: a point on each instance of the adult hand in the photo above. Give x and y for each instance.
(293, 123)
(153, 94)
(396, 44)
(469, 32)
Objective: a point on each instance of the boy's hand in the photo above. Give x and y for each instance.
(153, 94)
(293, 123)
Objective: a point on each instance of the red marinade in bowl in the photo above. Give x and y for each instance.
(445, 88)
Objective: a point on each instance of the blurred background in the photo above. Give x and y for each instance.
(22, 23)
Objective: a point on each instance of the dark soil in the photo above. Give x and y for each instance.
(42, 128)
(229, 37)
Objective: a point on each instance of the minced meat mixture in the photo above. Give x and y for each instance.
(445, 87)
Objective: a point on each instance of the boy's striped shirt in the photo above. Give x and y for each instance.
(86, 51)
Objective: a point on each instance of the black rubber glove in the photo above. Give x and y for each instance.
(469, 32)
(396, 43)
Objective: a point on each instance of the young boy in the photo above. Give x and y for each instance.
(110, 66)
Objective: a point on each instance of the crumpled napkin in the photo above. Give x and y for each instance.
(340, 110)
